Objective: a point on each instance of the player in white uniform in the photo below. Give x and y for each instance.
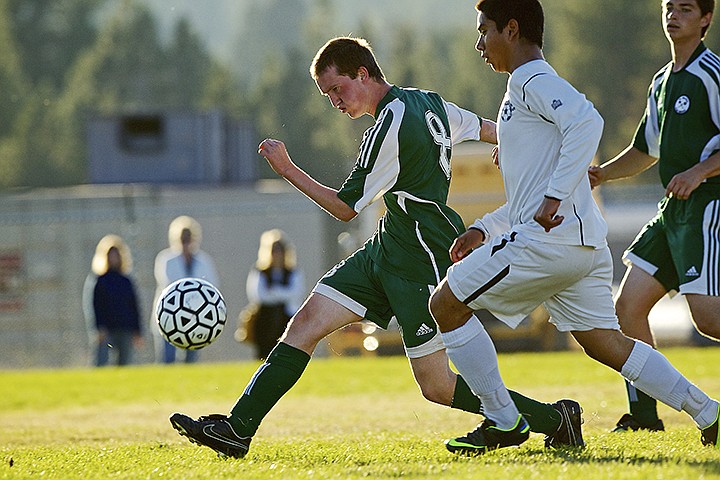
(546, 244)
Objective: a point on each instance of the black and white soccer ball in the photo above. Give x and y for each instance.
(191, 313)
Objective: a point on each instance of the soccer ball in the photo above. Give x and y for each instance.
(191, 313)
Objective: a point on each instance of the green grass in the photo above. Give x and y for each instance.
(347, 418)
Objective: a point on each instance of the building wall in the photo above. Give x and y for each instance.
(47, 240)
(171, 147)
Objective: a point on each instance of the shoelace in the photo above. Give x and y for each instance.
(477, 436)
(212, 416)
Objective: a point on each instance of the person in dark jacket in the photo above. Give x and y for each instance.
(114, 302)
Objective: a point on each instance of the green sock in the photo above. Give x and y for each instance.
(271, 381)
(541, 417)
(464, 399)
(642, 406)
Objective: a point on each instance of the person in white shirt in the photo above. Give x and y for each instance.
(277, 287)
(546, 245)
(183, 259)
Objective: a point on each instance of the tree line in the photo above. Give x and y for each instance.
(64, 60)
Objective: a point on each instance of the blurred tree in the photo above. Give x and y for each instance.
(287, 104)
(224, 90)
(187, 68)
(12, 81)
(126, 68)
(51, 35)
(269, 28)
(118, 73)
(13, 93)
(61, 61)
(609, 51)
(470, 82)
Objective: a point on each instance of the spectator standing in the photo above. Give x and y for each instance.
(183, 259)
(276, 287)
(115, 315)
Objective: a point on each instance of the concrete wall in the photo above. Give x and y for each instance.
(47, 240)
(48, 237)
(174, 147)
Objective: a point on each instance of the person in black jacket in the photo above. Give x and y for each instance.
(114, 302)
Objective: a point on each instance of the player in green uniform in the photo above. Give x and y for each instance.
(678, 249)
(404, 159)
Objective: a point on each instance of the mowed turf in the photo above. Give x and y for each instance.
(347, 418)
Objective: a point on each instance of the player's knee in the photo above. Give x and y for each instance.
(630, 310)
(303, 330)
(438, 302)
(708, 327)
(623, 306)
(449, 312)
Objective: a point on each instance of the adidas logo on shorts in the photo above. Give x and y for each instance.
(423, 330)
(692, 272)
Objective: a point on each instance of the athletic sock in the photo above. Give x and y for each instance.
(473, 354)
(652, 373)
(643, 407)
(542, 417)
(271, 381)
(464, 399)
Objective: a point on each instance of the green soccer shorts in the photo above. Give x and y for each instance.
(680, 246)
(377, 295)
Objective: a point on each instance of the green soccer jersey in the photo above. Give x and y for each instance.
(681, 124)
(405, 159)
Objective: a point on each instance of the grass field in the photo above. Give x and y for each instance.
(347, 418)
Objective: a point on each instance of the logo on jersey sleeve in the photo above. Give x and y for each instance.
(682, 104)
(557, 103)
(507, 111)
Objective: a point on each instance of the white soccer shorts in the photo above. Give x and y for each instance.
(512, 275)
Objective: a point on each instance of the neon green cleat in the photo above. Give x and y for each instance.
(487, 436)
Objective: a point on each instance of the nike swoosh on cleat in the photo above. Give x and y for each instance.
(208, 430)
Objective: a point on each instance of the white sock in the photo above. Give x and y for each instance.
(652, 373)
(472, 352)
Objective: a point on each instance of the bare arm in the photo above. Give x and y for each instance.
(488, 131)
(628, 163)
(326, 198)
(684, 183)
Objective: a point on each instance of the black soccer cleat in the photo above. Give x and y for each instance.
(487, 436)
(569, 433)
(627, 422)
(709, 435)
(212, 431)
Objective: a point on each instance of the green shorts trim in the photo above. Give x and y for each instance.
(377, 295)
(680, 246)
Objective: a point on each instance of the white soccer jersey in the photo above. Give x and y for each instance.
(560, 131)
